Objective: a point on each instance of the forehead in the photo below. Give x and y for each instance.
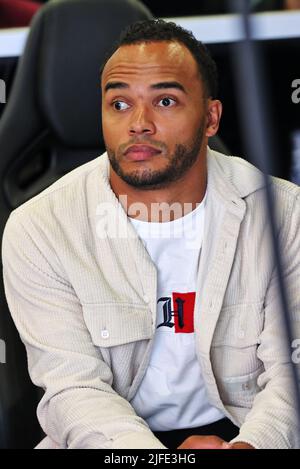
(150, 60)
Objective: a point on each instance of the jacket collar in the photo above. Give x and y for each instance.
(232, 177)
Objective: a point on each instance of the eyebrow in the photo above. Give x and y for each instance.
(113, 85)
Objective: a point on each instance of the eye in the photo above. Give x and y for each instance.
(166, 102)
(120, 105)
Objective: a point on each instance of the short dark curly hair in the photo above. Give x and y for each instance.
(160, 30)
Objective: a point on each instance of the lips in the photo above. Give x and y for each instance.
(141, 152)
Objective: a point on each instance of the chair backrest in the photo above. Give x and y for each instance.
(51, 124)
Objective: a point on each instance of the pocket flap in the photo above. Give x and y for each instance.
(245, 383)
(239, 325)
(112, 324)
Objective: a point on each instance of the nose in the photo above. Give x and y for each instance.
(141, 122)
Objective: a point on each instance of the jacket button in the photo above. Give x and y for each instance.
(146, 299)
(104, 334)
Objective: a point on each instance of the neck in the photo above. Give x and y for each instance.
(165, 204)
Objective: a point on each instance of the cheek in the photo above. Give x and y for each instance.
(170, 126)
(111, 133)
(177, 134)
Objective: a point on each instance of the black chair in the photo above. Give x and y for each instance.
(50, 125)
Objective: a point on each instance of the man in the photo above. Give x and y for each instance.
(142, 283)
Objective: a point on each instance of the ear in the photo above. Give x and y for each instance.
(214, 112)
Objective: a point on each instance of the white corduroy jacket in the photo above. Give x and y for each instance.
(85, 307)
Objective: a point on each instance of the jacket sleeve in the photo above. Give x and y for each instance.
(79, 409)
(273, 421)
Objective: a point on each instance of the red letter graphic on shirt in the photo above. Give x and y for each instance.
(183, 312)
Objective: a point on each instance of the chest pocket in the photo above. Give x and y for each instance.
(239, 325)
(113, 324)
(235, 342)
(234, 353)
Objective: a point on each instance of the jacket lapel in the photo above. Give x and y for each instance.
(224, 213)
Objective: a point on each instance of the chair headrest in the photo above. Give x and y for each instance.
(75, 37)
(66, 46)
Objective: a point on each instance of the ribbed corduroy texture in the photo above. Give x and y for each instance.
(85, 307)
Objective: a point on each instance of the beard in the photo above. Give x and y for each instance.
(183, 158)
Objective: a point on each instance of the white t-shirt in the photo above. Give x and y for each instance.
(172, 394)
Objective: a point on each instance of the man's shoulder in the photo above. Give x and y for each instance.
(248, 179)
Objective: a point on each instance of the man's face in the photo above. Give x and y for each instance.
(153, 113)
